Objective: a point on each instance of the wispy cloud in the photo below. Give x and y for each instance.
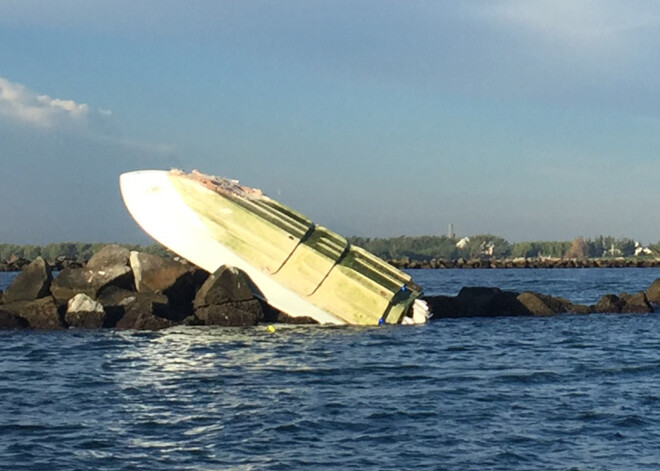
(19, 103)
(69, 154)
(583, 24)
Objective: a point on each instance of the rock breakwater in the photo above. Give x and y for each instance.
(493, 302)
(120, 289)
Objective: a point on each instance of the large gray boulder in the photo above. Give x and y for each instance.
(39, 314)
(226, 284)
(143, 311)
(83, 312)
(580, 309)
(609, 303)
(226, 299)
(9, 320)
(535, 304)
(544, 305)
(114, 301)
(489, 302)
(146, 321)
(154, 274)
(442, 306)
(493, 302)
(108, 256)
(477, 302)
(90, 281)
(108, 267)
(174, 279)
(653, 293)
(235, 314)
(33, 282)
(637, 304)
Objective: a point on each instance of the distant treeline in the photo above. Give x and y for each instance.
(413, 247)
(79, 251)
(488, 245)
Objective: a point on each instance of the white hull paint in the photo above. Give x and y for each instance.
(158, 208)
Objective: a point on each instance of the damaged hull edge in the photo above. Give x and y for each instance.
(300, 268)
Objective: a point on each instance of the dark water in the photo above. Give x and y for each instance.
(561, 393)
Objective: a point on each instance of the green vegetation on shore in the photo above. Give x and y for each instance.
(413, 247)
(429, 247)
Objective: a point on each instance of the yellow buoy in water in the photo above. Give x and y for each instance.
(270, 329)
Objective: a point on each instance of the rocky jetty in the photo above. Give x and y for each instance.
(120, 289)
(15, 263)
(493, 302)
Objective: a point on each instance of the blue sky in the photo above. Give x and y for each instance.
(530, 119)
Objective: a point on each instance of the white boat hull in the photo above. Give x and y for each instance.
(159, 209)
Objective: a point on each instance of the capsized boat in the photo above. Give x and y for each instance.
(298, 267)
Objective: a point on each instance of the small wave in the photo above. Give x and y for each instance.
(534, 377)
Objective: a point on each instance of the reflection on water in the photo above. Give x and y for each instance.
(455, 392)
(567, 392)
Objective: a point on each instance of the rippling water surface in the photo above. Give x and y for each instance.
(560, 393)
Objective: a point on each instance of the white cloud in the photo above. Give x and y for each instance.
(21, 104)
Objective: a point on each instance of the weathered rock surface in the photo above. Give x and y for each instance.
(442, 306)
(39, 314)
(580, 309)
(155, 274)
(536, 304)
(14, 263)
(637, 304)
(144, 311)
(83, 312)
(609, 303)
(63, 262)
(272, 315)
(653, 293)
(174, 279)
(493, 302)
(108, 256)
(91, 282)
(227, 284)
(9, 320)
(114, 296)
(114, 301)
(234, 314)
(146, 321)
(544, 305)
(226, 299)
(33, 282)
(103, 294)
(477, 302)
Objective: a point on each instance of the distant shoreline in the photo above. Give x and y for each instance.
(16, 265)
(549, 263)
